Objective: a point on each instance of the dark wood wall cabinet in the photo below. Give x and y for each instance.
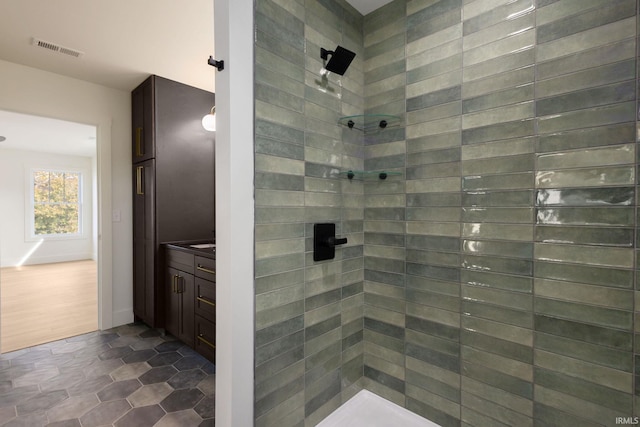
(190, 289)
(173, 187)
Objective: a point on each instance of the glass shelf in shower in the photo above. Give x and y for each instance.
(379, 174)
(370, 123)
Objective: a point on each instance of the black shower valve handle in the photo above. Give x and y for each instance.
(332, 241)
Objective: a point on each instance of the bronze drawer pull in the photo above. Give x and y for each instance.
(204, 340)
(139, 151)
(206, 270)
(206, 301)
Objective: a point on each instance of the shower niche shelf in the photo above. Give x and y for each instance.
(370, 123)
(352, 174)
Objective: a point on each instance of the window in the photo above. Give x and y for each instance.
(56, 203)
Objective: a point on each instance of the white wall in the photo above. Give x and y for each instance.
(31, 91)
(16, 245)
(234, 213)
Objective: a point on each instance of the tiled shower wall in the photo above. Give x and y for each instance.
(309, 315)
(518, 217)
(492, 283)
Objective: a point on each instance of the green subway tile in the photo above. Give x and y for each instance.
(434, 68)
(592, 38)
(498, 71)
(498, 412)
(598, 236)
(591, 137)
(615, 10)
(492, 214)
(431, 413)
(384, 46)
(587, 79)
(510, 249)
(434, 98)
(504, 348)
(587, 390)
(279, 330)
(495, 15)
(503, 29)
(551, 10)
(390, 27)
(558, 417)
(496, 99)
(507, 130)
(275, 131)
(432, 170)
(423, 381)
(265, 371)
(433, 214)
(616, 278)
(593, 353)
(278, 347)
(446, 302)
(586, 216)
(600, 335)
(286, 45)
(585, 294)
(433, 357)
(520, 198)
(275, 181)
(617, 113)
(593, 177)
(434, 32)
(478, 85)
(279, 148)
(279, 198)
(498, 281)
(503, 331)
(499, 297)
(505, 181)
(600, 96)
(583, 313)
(494, 264)
(497, 396)
(509, 113)
(608, 54)
(509, 316)
(604, 256)
(280, 26)
(613, 196)
(497, 231)
(500, 47)
(608, 377)
(624, 154)
(497, 165)
(431, 257)
(434, 272)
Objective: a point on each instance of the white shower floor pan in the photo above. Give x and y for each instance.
(366, 409)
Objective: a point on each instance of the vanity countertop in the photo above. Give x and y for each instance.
(205, 249)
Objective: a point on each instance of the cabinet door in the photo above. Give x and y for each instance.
(143, 147)
(144, 244)
(180, 307)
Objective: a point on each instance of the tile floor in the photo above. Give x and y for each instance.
(126, 376)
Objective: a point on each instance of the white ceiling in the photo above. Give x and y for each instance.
(122, 41)
(367, 6)
(31, 133)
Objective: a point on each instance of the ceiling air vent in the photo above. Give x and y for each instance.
(56, 48)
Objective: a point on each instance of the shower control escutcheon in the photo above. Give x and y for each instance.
(325, 241)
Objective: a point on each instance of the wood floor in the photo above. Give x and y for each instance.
(47, 302)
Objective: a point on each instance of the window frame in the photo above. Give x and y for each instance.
(31, 228)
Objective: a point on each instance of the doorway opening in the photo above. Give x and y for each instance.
(48, 230)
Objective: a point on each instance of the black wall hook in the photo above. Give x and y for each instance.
(218, 64)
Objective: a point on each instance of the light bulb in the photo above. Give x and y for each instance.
(209, 122)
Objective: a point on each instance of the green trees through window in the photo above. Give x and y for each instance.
(56, 202)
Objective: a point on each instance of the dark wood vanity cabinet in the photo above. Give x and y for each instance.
(173, 182)
(190, 287)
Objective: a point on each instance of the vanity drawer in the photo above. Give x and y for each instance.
(205, 268)
(206, 338)
(179, 260)
(206, 299)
